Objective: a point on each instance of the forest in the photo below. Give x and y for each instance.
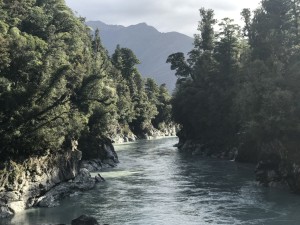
(58, 84)
(64, 100)
(238, 88)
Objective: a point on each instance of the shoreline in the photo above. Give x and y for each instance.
(144, 139)
(270, 170)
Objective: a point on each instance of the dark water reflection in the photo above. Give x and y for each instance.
(156, 185)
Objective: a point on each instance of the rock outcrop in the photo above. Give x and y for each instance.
(21, 184)
(274, 168)
(196, 148)
(82, 220)
(149, 132)
(43, 181)
(273, 171)
(85, 220)
(124, 138)
(110, 156)
(82, 182)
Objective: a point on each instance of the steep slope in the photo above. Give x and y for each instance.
(150, 46)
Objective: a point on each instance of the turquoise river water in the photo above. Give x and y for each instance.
(156, 185)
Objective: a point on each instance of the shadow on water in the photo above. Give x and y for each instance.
(156, 185)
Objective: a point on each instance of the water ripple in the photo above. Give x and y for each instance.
(156, 185)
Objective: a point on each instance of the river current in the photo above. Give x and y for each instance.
(156, 185)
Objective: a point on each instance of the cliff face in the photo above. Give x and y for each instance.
(21, 184)
(43, 181)
(119, 136)
(274, 168)
(277, 168)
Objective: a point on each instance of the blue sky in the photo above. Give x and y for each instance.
(165, 15)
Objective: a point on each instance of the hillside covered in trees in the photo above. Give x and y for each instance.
(239, 89)
(63, 98)
(58, 83)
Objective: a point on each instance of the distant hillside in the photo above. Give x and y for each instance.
(150, 46)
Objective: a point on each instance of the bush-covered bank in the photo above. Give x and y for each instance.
(57, 82)
(62, 98)
(272, 169)
(239, 88)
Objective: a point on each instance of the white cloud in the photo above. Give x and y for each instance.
(166, 15)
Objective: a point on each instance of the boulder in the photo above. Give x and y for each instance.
(110, 151)
(24, 182)
(5, 211)
(82, 182)
(92, 165)
(85, 220)
(274, 171)
(48, 201)
(17, 206)
(99, 178)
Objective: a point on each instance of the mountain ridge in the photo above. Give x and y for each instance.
(151, 46)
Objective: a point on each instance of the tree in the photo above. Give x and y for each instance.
(164, 108)
(125, 60)
(296, 20)
(205, 41)
(179, 64)
(151, 89)
(246, 16)
(268, 113)
(47, 66)
(227, 47)
(270, 30)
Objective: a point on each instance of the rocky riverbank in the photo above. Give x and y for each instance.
(277, 167)
(85, 220)
(196, 148)
(82, 220)
(148, 133)
(273, 169)
(43, 181)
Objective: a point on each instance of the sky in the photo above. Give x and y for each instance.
(165, 15)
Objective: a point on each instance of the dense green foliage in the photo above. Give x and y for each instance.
(57, 83)
(240, 87)
(142, 110)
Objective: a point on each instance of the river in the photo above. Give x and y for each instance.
(156, 185)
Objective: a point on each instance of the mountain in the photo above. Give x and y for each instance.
(150, 46)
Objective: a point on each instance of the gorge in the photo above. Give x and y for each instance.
(65, 102)
(156, 184)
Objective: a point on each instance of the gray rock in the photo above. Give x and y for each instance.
(99, 178)
(17, 206)
(91, 165)
(131, 139)
(34, 177)
(5, 212)
(45, 180)
(85, 220)
(82, 182)
(110, 152)
(48, 201)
